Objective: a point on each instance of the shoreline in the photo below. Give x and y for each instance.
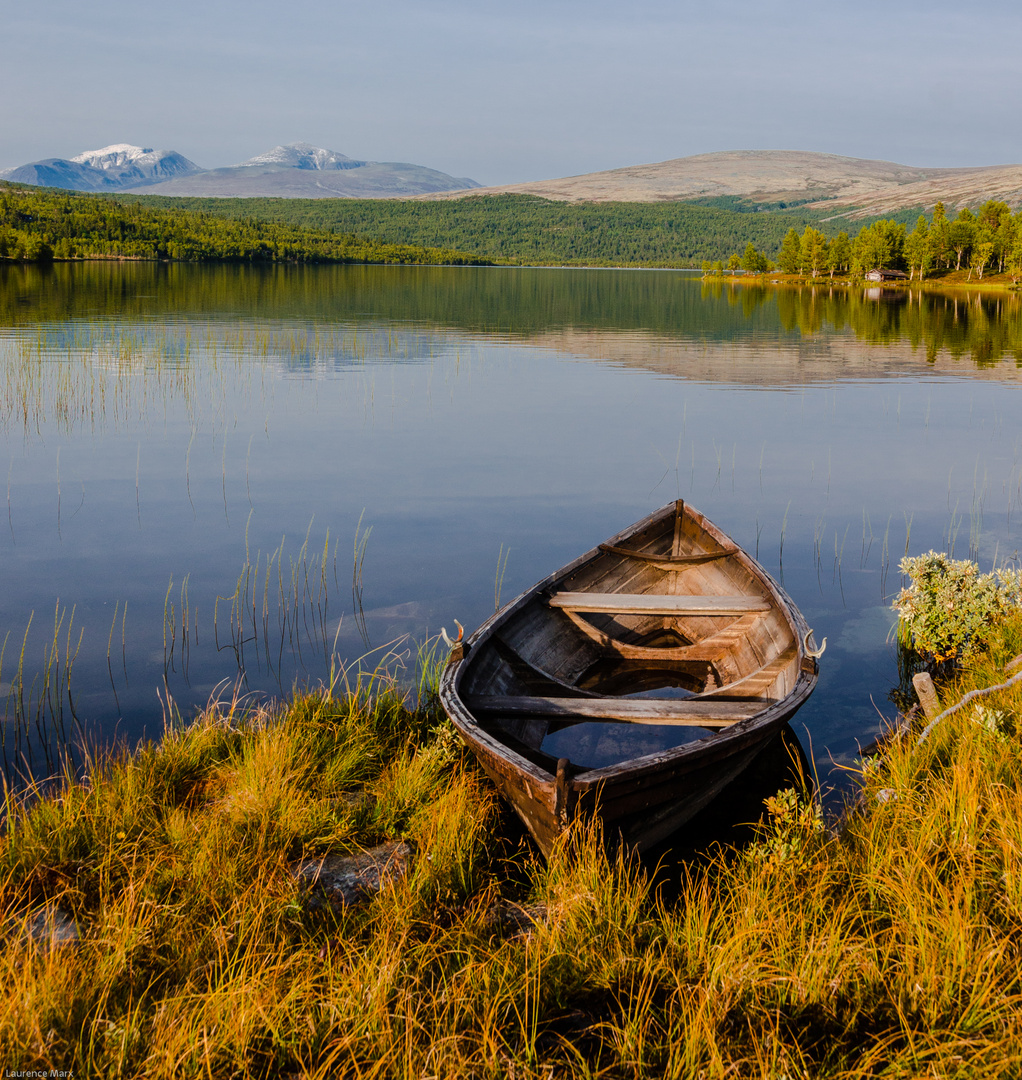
(994, 284)
(999, 283)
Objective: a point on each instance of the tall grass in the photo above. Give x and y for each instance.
(887, 944)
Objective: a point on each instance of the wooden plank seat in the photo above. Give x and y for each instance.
(669, 711)
(657, 604)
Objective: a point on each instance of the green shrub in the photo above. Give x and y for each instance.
(949, 605)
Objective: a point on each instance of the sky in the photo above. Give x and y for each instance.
(505, 92)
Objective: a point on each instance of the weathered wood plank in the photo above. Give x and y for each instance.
(716, 645)
(714, 649)
(544, 638)
(623, 649)
(679, 517)
(531, 673)
(658, 604)
(758, 682)
(670, 711)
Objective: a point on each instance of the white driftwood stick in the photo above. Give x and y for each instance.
(970, 696)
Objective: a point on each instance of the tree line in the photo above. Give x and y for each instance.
(988, 239)
(525, 229)
(45, 224)
(40, 224)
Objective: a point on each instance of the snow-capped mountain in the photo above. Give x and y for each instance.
(116, 155)
(296, 170)
(142, 162)
(303, 155)
(111, 168)
(303, 171)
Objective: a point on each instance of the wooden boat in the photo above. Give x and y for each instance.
(669, 632)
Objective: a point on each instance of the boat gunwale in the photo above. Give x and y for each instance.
(774, 714)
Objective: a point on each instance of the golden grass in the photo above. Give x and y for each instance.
(886, 946)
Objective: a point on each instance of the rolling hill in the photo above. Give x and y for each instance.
(781, 177)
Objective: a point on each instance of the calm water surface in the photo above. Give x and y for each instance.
(217, 474)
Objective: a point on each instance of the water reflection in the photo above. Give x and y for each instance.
(984, 327)
(735, 817)
(595, 745)
(190, 451)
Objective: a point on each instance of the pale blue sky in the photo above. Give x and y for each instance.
(513, 91)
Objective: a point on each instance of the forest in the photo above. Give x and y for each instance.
(987, 240)
(46, 224)
(524, 229)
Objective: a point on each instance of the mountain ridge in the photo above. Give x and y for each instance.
(111, 168)
(292, 170)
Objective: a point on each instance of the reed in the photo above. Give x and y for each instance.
(112, 376)
(280, 602)
(885, 560)
(58, 493)
(39, 729)
(109, 651)
(10, 511)
(839, 553)
(784, 529)
(188, 481)
(498, 581)
(867, 542)
(951, 534)
(361, 543)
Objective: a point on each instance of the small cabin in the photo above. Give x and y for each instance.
(886, 275)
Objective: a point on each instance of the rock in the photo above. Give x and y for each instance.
(346, 880)
(355, 802)
(515, 920)
(51, 926)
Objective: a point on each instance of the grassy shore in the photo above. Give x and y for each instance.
(950, 281)
(887, 944)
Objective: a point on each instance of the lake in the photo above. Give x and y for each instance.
(229, 476)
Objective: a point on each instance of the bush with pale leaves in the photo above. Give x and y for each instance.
(948, 606)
